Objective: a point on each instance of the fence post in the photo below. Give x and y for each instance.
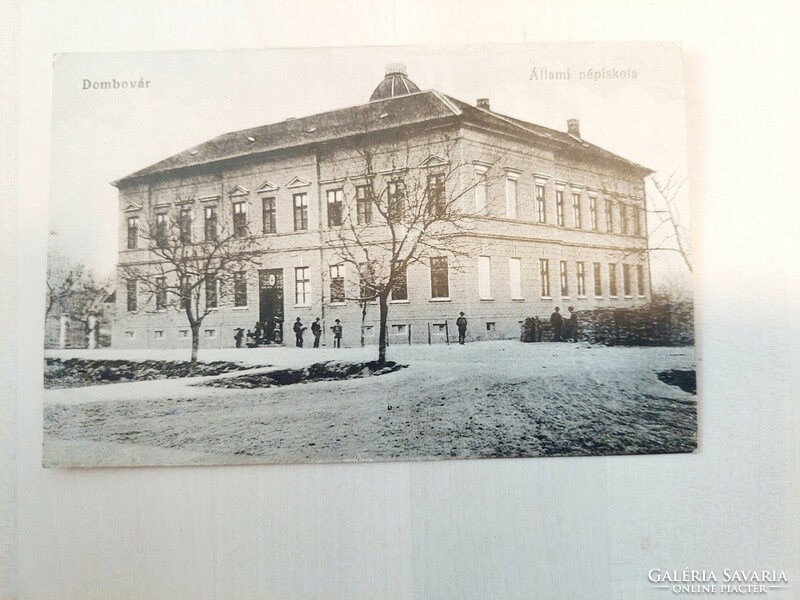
(409, 334)
(447, 332)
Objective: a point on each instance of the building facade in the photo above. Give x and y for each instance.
(548, 220)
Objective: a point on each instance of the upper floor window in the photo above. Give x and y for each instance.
(240, 219)
(364, 204)
(593, 212)
(335, 200)
(268, 215)
(440, 283)
(300, 211)
(607, 206)
(511, 196)
(544, 277)
(400, 284)
(133, 233)
(637, 220)
(560, 208)
(133, 295)
(396, 199)
(210, 223)
(623, 218)
(185, 223)
(576, 211)
(437, 205)
(161, 229)
(337, 283)
(564, 281)
(480, 189)
(541, 209)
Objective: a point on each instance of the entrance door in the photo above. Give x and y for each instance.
(270, 301)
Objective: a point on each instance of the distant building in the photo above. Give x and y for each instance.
(559, 221)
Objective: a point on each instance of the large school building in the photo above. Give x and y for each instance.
(549, 220)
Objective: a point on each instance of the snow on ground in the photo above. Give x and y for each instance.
(487, 399)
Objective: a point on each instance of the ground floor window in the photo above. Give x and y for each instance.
(581, 279)
(440, 284)
(337, 283)
(544, 276)
(640, 280)
(626, 279)
(564, 281)
(612, 280)
(598, 281)
(302, 286)
(240, 288)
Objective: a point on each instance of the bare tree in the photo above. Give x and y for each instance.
(195, 276)
(85, 305)
(401, 214)
(663, 204)
(63, 278)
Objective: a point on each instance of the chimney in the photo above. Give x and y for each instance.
(574, 127)
(483, 103)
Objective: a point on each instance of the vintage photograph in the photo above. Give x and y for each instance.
(368, 254)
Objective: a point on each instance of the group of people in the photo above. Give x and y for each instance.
(564, 330)
(316, 330)
(268, 332)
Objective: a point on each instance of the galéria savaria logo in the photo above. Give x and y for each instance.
(727, 581)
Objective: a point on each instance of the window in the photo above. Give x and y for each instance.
(130, 335)
(598, 282)
(637, 220)
(640, 280)
(211, 291)
(612, 280)
(240, 219)
(437, 204)
(560, 208)
(399, 328)
(439, 328)
(210, 223)
(210, 333)
(400, 285)
(364, 204)
(366, 281)
(302, 286)
(185, 225)
(581, 278)
(490, 326)
(563, 276)
(133, 233)
(515, 277)
(593, 212)
(158, 334)
(511, 197)
(183, 333)
(240, 288)
(544, 276)
(484, 278)
(337, 283)
(161, 293)
(186, 292)
(133, 295)
(576, 211)
(268, 215)
(626, 280)
(161, 230)
(335, 199)
(480, 189)
(541, 209)
(300, 212)
(369, 330)
(440, 284)
(623, 218)
(396, 198)
(609, 218)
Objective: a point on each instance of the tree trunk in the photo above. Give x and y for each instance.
(384, 307)
(195, 343)
(363, 321)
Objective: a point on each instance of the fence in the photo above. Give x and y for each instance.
(656, 324)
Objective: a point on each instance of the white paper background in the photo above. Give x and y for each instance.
(537, 528)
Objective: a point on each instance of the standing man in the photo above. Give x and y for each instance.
(298, 333)
(337, 334)
(556, 322)
(238, 336)
(461, 323)
(572, 325)
(316, 330)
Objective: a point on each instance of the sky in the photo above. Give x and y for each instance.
(101, 135)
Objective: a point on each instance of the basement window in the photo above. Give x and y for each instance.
(211, 333)
(183, 333)
(158, 334)
(399, 328)
(490, 326)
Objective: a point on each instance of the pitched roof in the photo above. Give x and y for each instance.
(375, 116)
